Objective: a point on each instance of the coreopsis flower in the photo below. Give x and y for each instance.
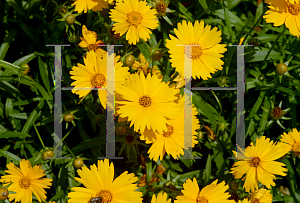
(213, 193)
(244, 201)
(142, 66)
(147, 102)
(94, 74)
(293, 140)
(205, 52)
(161, 198)
(84, 5)
(134, 17)
(89, 42)
(25, 181)
(284, 12)
(100, 185)
(258, 163)
(261, 196)
(172, 141)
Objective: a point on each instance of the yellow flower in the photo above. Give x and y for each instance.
(94, 74)
(213, 193)
(261, 166)
(147, 102)
(171, 141)
(261, 196)
(244, 201)
(143, 66)
(284, 12)
(26, 180)
(134, 17)
(293, 141)
(100, 185)
(180, 82)
(161, 198)
(84, 5)
(205, 56)
(89, 42)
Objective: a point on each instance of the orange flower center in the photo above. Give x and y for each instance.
(169, 132)
(24, 182)
(97, 80)
(254, 162)
(196, 51)
(161, 8)
(92, 47)
(104, 196)
(145, 101)
(296, 148)
(134, 18)
(201, 199)
(294, 9)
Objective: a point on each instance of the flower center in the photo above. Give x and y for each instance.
(161, 8)
(104, 196)
(24, 182)
(196, 52)
(134, 18)
(296, 147)
(294, 9)
(254, 162)
(201, 199)
(145, 101)
(97, 80)
(169, 132)
(276, 112)
(92, 47)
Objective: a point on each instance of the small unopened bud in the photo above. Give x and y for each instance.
(78, 163)
(62, 10)
(157, 55)
(26, 70)
(234, 185)
(3, 193)
(130, 60)
(281, 68)
(68, 117)
(48, 154)
(121, 130)
(70, 19)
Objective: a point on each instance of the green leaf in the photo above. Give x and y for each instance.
(260, 56)
(10, 88)
(204, 5)
(9, 66)
(26, 102)
(44, 73)
(9, 155)
(11, 134)
(144, 49)
(5, 45)
(19, 115)
(25, 59)
(233, 19)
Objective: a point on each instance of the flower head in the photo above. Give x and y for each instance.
(258, 163)
(84, 5)
(172, 140)
(134, 17)
(213, 193)
(100, 185)
(26, 180)
(284, 12)
(94, 74)
(147, 102)
(161, 198)
(293, 141)
(89, 42)
(261, 196)
(205, 52)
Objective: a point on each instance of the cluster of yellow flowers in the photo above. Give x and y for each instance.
(100, 184)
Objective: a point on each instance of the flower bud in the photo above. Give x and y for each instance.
(130, 60)
(3, 193)
(121, 130)
(73, 39)
(62, 10)
(68, 117)
(78, 163)
(70, 19)
(234, 185)
(261, 78)
(48, 154)
(157, 55)
(26, 70)
(281, 68)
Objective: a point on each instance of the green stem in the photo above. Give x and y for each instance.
(37, 132)
(273, 45)
(63, 138)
